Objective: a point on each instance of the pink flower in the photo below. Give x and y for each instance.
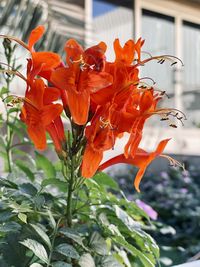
(148, 209)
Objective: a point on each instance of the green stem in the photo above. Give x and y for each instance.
(70, 194)
(9, 135)
(52, 243)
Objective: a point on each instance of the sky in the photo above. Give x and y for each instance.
(100, 7)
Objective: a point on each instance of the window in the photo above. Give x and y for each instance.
(191, 72)
(158, 31)
(112, 19)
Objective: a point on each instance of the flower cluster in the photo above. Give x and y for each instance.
(102, 100)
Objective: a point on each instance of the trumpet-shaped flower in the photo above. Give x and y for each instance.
(42, 63)
(141, 159)
(83, 76)
(40, 114)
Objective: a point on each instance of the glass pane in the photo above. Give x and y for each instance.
(158, 32)
(191, 77)
(111, 20)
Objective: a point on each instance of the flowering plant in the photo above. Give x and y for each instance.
(101, 101)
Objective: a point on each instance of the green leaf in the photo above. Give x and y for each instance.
(16, 130)
(68, 251)
(61, 264)
(25, 169)
(5, 216)
(43, 163)
(72, 234)
(105, 180)
(42, 234)
(22, 217)
(10, 227)
(86, 260)
(11, 110)
(4, 90)
(23, 207)
(98, 244)
(39, 201)
(52, 220)
(7, 183)
(37, 248)
(2, 142)
(146, 261)
(126, 219)
(28, 189)
(61, 185)
(110, 261)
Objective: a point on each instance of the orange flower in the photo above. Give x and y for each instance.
(127, 53)
(83, 76)
(42, 63)
(100, 137)
(142, 159)
(41, 115)
(124, 72)
(124, 109)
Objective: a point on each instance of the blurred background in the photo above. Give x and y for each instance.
(169, 27)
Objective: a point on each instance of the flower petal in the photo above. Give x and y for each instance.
(124, 54)
(51, 94)
(35, 35)
(91, 161)
(79, 103)
(50, 113)
(98, 80)
(45, 60)
(73, 50)
(37, 135)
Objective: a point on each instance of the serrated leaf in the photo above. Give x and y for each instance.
(104, 179)
(67, 250)
(61, 264)
(52, 220)
(7, 183)
(127, 220)
(72, 234)
(98, 244)
(110, 261)
(22, 217)
(39, 201)
(24, 207)
(55, 182)
(86, 260)
(10, 227)
(42, 234)
(25, 169)
(36, 265)
(146, 261)
(28, 189)
(5, 216)
(45, 164)
(37, 248)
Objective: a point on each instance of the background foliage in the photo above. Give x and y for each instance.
(175, 197)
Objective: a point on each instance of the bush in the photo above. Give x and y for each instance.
(174, 195)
